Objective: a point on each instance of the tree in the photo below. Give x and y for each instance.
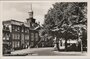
(64, 16)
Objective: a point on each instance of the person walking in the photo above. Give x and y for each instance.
(55, 43)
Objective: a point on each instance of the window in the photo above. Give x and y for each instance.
(3, 36)
(14, 28)
(7, 36)
(12, 44)
(36, 36)
(28, 43)
(26, 30)
(18, 28)
(18, 36)
(12, 36)
(4, 27)
(22, 30)
(32, 36)
(15, 44)
(15, 36)
(22, 38)
(31, 44)
(10, 28)
(18, 44)
(7, 28)
(27, 37)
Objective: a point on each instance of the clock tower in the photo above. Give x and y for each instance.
(30, 20)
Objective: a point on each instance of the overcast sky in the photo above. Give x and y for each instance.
(19, 10)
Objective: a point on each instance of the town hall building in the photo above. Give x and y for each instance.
(20, 35)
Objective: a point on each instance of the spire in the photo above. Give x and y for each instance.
(30, 11)
(31, 8)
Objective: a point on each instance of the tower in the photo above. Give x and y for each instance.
(30, 20)
(30, 12)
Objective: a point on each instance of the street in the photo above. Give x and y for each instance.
(46, 52)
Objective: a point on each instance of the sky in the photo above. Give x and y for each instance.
(19, 10)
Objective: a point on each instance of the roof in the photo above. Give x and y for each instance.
(15, 22)
(12, 20)
(26, 24)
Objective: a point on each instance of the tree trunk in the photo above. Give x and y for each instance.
(65, 44)
(58, 47)
(81, 47)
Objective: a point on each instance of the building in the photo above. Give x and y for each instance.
(20, 35)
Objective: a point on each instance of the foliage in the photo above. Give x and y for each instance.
(67, 19)
(64, 15)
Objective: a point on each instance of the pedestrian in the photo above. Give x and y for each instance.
(55, 44)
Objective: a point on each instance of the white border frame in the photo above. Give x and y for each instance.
(49, 57)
